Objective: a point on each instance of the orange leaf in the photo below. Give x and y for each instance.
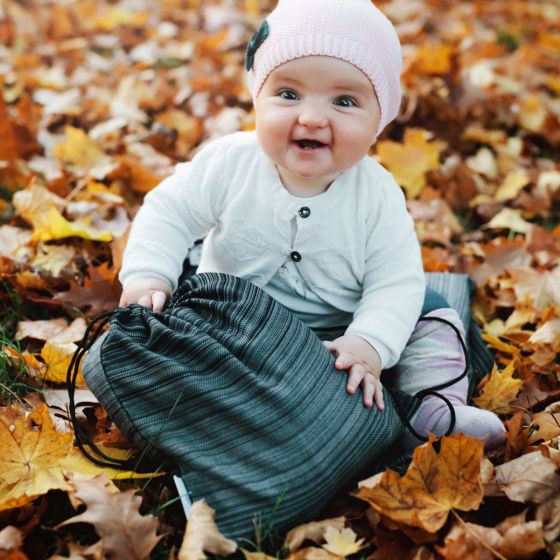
(410, 161)
(433, 59)
(435, 483)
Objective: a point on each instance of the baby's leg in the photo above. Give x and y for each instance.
(434, 356)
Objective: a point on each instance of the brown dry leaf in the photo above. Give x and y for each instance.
(470, 541)
(54, 330)
(513, 539)
(529, 478)
(522, 541)
(435, 483)
(314, 531)
(124, 532)
(517, 437)
(410, 161)
(202, 535)
(549, 333)
(54, 258)
(544, 426)
(548, 513)
(540, 287)
(99, 292)
(499, 389)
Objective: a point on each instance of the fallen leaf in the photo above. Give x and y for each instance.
(529, 478)
(36, 458)
(54, 330)
(78, 148)
(522, 541)
(499, 389)
(54, 258)
(549, 333)
(342, 542)
(410, 161)
(436, 482)
(312, 553)
(501, 346)
(544, 426)
(98, 293)
(52, 225)
(548, 513)
(256, 555)
(202, 535)
(124, 532)
(470, 541)
(509, 218)
(10, 538)
(313, 531)
(57, 357)
(433, 59)
(512, 185)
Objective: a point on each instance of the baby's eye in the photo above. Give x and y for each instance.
(345, 101)
(288, 94)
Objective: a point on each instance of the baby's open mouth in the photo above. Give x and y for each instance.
(310, 144)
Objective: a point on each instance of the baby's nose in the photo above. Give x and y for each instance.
(312, 116)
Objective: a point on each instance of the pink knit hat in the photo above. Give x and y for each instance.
(352, 30)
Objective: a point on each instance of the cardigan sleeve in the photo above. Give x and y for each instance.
(394, 282)
(180, 210)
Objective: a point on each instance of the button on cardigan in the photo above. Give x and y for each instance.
(358, 250)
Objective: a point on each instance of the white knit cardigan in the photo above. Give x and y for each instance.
(354, 246)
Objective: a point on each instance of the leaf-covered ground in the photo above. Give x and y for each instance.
(99, 99)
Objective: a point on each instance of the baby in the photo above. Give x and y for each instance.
(300, 209)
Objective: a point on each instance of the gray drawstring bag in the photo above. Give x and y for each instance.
(244, 398)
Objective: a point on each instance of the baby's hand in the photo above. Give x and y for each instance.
(150, 292)
(360, 358)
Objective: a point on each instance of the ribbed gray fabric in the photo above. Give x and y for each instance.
(244, 398)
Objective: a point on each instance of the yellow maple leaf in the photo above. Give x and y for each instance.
(57, 357)
(78, 148)
(514, 182)
(36, 458)
(53, 225)
(435, 483)
(409, 161)
(499, 389)
(342, 542)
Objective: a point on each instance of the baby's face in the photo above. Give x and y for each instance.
(316, 117)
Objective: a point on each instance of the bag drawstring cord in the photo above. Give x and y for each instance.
(432, 391)
(94, 329)
(83, 440)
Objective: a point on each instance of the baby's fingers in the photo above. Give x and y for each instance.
(355, 376)
(158, 301)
